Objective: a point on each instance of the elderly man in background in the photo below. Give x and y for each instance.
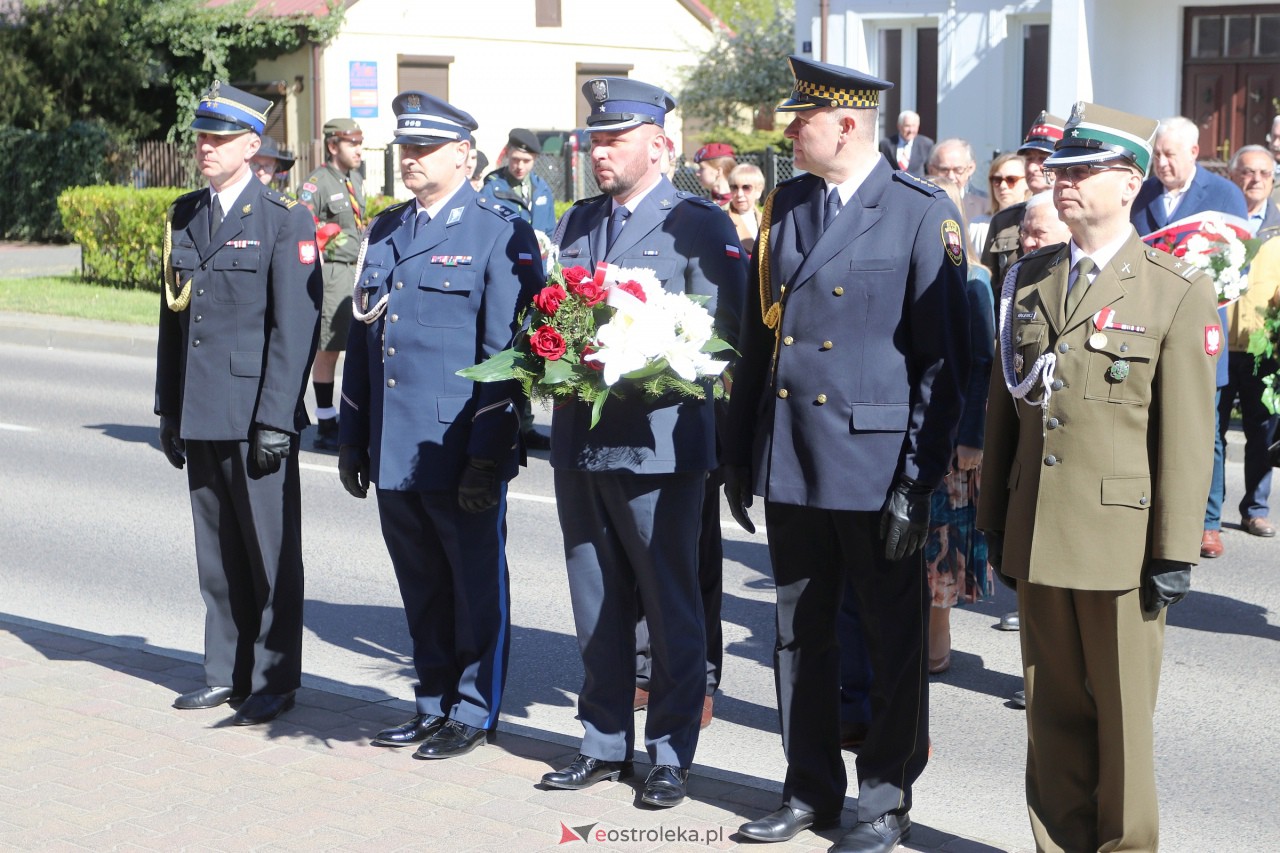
(907, 149)
(953, 158)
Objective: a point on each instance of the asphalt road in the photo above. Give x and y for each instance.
(96, 536)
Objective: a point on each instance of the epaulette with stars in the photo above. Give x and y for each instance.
(280, 199)
(919, 184)
(497, 208)
(1177, 266)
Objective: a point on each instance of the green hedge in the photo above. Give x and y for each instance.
(120, 231)
(39, 166)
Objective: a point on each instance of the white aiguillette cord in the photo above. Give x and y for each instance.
(1042, 368)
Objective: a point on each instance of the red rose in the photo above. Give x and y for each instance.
(547, 342)
(590, 292)
(575, 275)
(549, 298)
(634, 288)
(586, 351)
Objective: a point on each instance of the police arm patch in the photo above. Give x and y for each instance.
(952, 241)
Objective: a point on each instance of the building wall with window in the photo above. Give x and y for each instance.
(981, 69)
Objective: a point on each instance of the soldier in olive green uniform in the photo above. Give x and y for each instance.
(1098, 453)
(335, 193)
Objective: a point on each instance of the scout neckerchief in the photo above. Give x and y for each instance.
(355, 205)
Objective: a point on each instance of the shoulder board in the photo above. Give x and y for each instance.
(1177, 266)
(280, 199)
(588, 199)
(188, 198)
(918, 184)
(1044, 251)
(497, 208)
(793, 179)
(681, 195)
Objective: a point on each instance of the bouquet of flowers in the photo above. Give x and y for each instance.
(614, 332)
(1217, 243)
(1264, 346)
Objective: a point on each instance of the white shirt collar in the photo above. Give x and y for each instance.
(1180, 191)
(228, 195)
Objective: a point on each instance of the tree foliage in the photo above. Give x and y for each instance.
(753, 10)
(137, 66)
(742, 72)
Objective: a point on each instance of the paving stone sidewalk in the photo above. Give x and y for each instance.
(93, 757)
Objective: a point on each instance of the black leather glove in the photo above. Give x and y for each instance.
(737, 493)
(904, 518)
(270, 448)
(995, 556)
(175, 449)
(1164, 582)
(353, 470)
(479, 489)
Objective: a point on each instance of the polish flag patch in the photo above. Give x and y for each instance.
(524, 259)
(1212, 340)
(732, 251)
(306, 251)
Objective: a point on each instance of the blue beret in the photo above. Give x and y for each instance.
(619, 103)
(423, 119)
(821, 84)
(225, 111)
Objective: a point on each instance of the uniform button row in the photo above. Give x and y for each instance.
(391, 383)
(1051, 460)
(789, 340)
(391, 351)
(399, 285)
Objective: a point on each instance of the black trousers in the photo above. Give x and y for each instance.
(815, 552)
(248, 532)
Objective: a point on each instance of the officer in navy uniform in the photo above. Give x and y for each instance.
(441, 283)
(238, 325)
(518, 187)
(844, 402)
(629, 491)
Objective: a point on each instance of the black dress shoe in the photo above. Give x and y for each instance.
(785, 824)
(534, 440)
(878, 836)
(453, 739)
(665, 787)
(262, 708)
(207, 697)
(585, 771)
(411, 731)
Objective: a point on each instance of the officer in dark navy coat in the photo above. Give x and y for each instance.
(630, 490)
(237, 331)
(844, 402)
(441, 282)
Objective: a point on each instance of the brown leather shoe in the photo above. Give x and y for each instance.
(641, 701)
(708, 710)
(1211, 544)
(1258, 526)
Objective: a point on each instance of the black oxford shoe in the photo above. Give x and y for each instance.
(665, 787)
(453, 739)
(585, 771)
(207, 697)
(410, 732)
(878, 836)
(785, 824)
(262, 708)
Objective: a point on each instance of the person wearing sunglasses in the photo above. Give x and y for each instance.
(1098, 452)
(746, 183)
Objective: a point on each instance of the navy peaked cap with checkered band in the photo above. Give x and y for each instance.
(821, 84)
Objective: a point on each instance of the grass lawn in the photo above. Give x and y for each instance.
(70, 297)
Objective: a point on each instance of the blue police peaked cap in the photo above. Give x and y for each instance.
(423, 119)
(619, 103)
(225, 111)
(821, 84)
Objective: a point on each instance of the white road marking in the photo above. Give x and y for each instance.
(17, 428)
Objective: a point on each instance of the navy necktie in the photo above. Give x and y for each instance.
(832, 208)
(616, 222)
(215, 216)
(420, 222)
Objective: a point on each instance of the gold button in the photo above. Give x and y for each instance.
(827, 344)
(839, 291)
(822, 398)
(788, 340)
(783, 393)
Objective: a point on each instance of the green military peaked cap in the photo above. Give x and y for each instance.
(1096, 134)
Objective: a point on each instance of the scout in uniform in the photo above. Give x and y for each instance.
(844, 402)
(237, 330)
(1098, 454)
(442, 281)
(335, 193)
(642, 470)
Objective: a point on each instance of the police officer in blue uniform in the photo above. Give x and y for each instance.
(629, 492)
(237, 330)
(439, 287)
(518, 187)
(844, 402)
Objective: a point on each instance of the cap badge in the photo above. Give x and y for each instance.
(413, 104)
(1077, 112)
(600, 90)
